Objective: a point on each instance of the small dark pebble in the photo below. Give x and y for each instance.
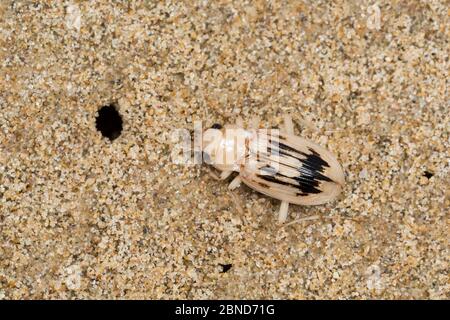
(428, 174)
(225, 267)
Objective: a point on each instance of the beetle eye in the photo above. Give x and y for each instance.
(216, 126)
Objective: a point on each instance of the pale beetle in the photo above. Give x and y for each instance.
(274, 162)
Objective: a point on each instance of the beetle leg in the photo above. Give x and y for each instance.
(225, 174)
(283, 213)
(213, 175)
(236, 182)
(302, 219)
(288, 124)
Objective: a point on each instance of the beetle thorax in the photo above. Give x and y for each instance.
(225, 148)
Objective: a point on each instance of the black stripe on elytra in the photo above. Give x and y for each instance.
(313, 160)
(311, 171)
(275, 180)
(306, 186)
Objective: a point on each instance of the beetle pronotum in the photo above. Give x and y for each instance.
(276, 163)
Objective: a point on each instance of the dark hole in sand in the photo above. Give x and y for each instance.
(428, 174)
(109, 122)
(225, 267)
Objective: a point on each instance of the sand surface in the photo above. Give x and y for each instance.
(84, 217)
